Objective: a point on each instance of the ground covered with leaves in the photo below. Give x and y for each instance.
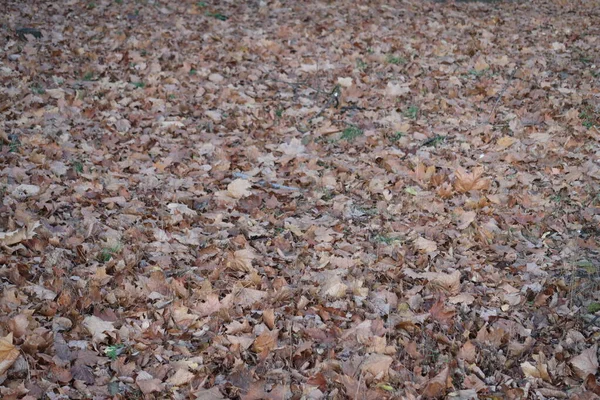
(299, 200)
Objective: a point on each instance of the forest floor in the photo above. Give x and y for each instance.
(299, 200)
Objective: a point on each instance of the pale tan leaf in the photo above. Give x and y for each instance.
(377, 365)
(425, 245)
(437, 386)
(97, 327)
(8, 353)
(180, 377)
(269, 318)
(586, 363)
(466, 218)
(238, 188)
(147, 383)
(266, 341)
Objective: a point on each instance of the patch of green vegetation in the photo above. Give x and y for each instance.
(385, 239)
(351, 133)
(88, 76)
(397, 136)
(14, 146)
(37, 89)
(171, 97)
(589, 116)
(279, 112)
(361, 65)
(91, 6)
(107, 253)
(77, 166)
(593, 308)
(218, 16)
(139, 85)
(201, 4)
(327, 195)
(412, 112)
(114, 351)
(396, 60)
(193, 72)
(366, 211)
(434, 141)
(119, 2)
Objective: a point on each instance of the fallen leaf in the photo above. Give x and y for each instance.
(266, 341)
(586, 362)
(97, 327)
(238, 188)
(425, 245)
(8, 353)
(180, 377)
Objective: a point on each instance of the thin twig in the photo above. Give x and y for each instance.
(510, 78)
(262, 182)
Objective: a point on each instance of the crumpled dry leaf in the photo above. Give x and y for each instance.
(448, 282)
(19, 235)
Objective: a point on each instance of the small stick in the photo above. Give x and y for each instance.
(262, 182)
(510, 78)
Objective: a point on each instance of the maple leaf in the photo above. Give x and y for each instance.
(467, 181)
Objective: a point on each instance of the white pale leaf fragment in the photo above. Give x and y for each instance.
(239, 188)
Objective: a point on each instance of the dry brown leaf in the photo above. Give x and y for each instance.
(586, 362)
(8, 353)
(238, 188)
(97, 327)
(466, 218)
(438, 385)
(241, 260)
(425, 245)
(147, 383)
(266, 341)
(450, 283)
(468, 352)
(180, 377)
(467, 181)
(377, 366)
(269, 318)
